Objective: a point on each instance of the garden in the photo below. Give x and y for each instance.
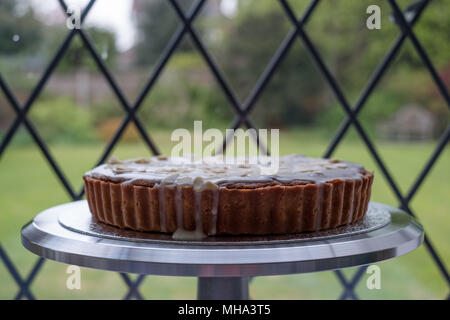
(77, 114)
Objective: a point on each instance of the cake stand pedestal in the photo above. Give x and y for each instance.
(223, 265)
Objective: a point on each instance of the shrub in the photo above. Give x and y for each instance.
(60, 120)
(108, 127)
(380, 106)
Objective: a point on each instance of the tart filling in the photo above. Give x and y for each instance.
(191, 200)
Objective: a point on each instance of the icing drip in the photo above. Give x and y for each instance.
(215, 170)
(198, 185)
(214, 209)
(198, 213)
(197, 233)
(169, 180)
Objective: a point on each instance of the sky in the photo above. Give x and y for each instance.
(115, 15)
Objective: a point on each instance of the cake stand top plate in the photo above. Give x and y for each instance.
(67, 233)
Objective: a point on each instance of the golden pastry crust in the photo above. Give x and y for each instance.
(259, 208)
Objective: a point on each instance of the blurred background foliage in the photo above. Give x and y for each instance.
(242, 45)
(77, 112)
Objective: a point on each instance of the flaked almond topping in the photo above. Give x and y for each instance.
(142, 160)
(113, 160)
(121, 170)
(152, 169)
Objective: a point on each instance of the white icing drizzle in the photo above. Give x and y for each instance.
(198, 186)
(214, 173)
(215, 207)
(198, 213)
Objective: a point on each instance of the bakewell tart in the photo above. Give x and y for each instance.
(192, 200)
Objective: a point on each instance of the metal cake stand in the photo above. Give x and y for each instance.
(67, 234)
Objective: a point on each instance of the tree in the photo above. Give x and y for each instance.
(77, 55)
(19, 31)
(156, 22)
(298, 92)
(249, 44)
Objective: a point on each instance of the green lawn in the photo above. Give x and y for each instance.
(27, 186)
